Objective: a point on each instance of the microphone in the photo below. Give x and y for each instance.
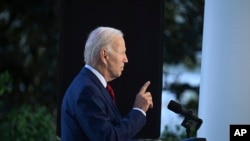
(189, 115)
(177, 108)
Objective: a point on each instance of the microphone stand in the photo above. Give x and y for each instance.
(187, 124)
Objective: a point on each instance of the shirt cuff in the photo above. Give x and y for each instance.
(144, 113)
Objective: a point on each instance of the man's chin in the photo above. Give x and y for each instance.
(118, 75)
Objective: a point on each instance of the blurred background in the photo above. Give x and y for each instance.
(29, 60)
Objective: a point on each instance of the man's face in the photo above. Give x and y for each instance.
(117, 58)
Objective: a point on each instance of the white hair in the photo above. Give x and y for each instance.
(99, 38)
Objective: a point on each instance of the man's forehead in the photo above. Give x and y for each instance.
(119, 42)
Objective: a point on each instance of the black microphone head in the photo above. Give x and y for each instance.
(175, 107)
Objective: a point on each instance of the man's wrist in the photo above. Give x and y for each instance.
(143, 112)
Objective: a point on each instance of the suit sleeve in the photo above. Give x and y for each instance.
(100, 122)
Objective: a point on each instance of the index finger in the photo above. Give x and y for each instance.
(144, 87)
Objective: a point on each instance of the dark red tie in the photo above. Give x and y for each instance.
(111, 92)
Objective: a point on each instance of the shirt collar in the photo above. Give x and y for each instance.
(97, 74)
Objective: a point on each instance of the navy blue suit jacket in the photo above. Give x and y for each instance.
(88, 113)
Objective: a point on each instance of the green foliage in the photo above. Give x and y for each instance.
(29, 43)
(5, 83)
(183, 31)
(28, 124)
(168, 135)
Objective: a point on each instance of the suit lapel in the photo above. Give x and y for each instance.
(104, 93)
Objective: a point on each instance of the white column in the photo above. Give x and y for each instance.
(225, 69)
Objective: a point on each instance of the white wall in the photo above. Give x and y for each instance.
(225, 68)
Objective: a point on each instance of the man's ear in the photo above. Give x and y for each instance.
(103, 55)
